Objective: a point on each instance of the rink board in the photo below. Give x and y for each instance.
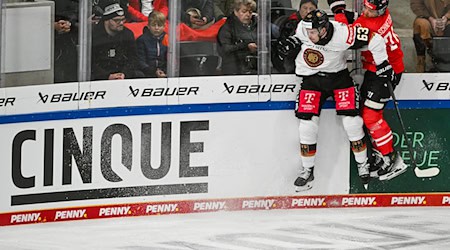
(227, 143)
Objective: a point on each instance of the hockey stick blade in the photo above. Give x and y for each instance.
(426, 173)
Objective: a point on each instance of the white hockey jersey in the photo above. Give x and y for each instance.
(331, 58)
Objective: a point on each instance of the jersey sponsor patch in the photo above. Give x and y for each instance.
(313, 57)
(309, 101)
(345, 98)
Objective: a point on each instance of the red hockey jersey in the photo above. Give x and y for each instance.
(383, 26)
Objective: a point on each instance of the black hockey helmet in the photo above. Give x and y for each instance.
(316, 19)
(379, 5)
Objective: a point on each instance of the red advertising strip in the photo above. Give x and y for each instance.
(196, 206)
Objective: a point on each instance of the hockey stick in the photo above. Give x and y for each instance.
(421, 173)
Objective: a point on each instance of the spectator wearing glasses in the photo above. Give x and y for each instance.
(113, 47)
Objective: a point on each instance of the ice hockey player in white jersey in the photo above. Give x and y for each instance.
(321, 45)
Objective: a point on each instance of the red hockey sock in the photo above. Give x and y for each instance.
(379, 130)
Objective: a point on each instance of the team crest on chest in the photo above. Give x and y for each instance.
(313, 57)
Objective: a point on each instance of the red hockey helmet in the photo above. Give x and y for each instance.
(379, 5)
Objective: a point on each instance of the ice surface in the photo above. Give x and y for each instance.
(340, 228)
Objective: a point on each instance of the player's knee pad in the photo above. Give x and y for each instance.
(353, 125)
(308, 130)
(372, 117)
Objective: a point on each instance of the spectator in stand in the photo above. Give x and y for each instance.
(432, 20)
(287, 26)
(197, 14)
(113, 46)
(146, 7)
(135, 10)
(237, 40)
(152, 46)
(222, 8)
(140, 9)
(66, 40)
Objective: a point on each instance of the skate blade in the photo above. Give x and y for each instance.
(306, 187)
(400, 169)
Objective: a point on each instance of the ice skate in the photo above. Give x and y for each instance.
(392, 167)
(375, 161)
(304, 180)
(364, 173)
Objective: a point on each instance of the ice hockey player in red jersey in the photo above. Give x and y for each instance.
(386, 162)
(321, 46)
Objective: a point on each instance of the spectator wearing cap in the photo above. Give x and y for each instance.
(113, 47)
(288, 25)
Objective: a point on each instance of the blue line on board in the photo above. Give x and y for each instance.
(194, 108)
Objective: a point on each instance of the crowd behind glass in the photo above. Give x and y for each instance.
(138, 39)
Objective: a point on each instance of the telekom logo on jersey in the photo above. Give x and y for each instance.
(309, 101)
(343, 95)
(309, 97)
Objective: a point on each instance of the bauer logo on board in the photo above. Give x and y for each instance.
(156, 92)
(8, 101)
(439, 86)
(255, 88)
(71, 97)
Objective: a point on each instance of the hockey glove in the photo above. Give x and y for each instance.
(337, 6)
(384, 71)
(289, 46)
